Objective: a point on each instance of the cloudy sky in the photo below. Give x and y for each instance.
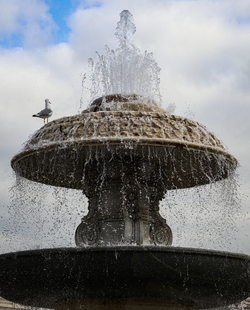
(202, 48)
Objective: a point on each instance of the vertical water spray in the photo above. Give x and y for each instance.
(125, 70)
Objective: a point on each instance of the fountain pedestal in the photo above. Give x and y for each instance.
(124, 194)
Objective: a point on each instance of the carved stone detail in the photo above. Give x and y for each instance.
(161, 235)
(153, 125)
(138, 127)
(124, 195)
(86, 234)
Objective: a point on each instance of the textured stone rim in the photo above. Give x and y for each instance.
(124, 126)
(117, 141)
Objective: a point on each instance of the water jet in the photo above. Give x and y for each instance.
(124, 152)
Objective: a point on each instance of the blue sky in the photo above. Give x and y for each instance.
(59, 12)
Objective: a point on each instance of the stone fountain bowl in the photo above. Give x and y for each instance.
(119, 126)
(156, 276)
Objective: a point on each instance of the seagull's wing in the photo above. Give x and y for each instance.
(44, 113)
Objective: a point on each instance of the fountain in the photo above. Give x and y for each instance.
(124, 152)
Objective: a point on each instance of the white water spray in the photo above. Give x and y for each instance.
(125, 70)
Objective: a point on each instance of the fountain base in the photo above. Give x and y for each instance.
(163, 277)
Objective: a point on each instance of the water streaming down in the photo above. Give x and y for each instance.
(126, 154)
(41, 216)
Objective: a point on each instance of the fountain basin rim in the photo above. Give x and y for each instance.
(203, 278)
(122, 142)
(130, 248)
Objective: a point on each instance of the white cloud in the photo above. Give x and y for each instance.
(28, 19)
(30, 76)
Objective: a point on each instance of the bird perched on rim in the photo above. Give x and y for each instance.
(45, 113)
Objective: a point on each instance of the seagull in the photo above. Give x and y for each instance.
(45, 113)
